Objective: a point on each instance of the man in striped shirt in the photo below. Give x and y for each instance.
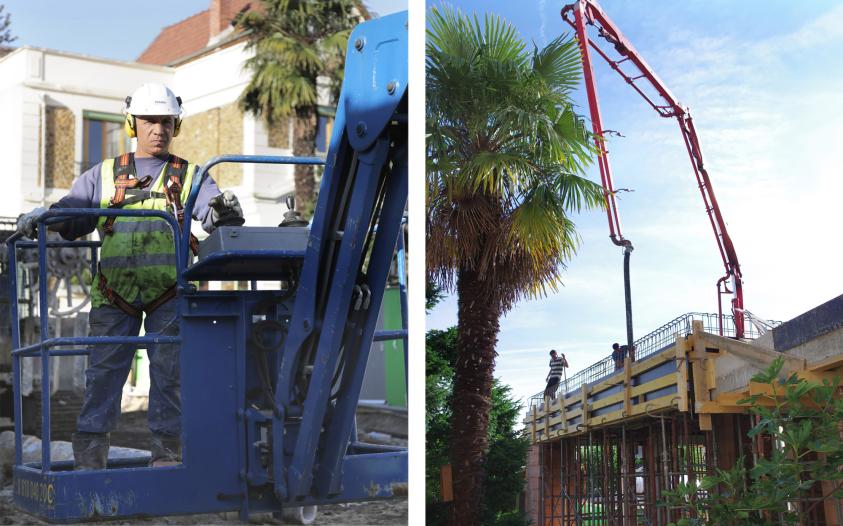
(557, 366)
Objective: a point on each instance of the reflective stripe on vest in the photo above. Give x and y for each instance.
(138, 259)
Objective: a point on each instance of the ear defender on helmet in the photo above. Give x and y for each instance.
(129, 126)
(177, 127)
(129, 123)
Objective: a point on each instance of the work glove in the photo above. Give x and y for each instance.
(225, 210)
(28, 223)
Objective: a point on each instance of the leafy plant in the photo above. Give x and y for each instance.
(506, 456)
(802, 421)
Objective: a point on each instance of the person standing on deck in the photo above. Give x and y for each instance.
(557, 366)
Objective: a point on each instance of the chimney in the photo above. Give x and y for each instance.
(215, 16)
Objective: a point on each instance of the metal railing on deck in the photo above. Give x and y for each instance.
(648, 345)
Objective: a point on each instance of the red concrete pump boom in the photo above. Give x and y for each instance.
(588, 12)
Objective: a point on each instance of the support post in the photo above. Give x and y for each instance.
(584, 406)
(704, 378)
(682, 372)
(627, 387)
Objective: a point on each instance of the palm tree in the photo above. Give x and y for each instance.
(505, 156)
(296, 43)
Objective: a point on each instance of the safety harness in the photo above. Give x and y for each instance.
(126, 182)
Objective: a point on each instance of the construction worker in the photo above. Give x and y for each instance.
(557, 366)
(619, 353)
(135, 282)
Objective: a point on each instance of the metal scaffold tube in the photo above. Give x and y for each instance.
(624, 474)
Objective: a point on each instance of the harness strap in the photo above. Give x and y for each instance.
(119, 200)
(176, 169)
(124, 166)
(116, 300)
(136, 196)
(160, 300)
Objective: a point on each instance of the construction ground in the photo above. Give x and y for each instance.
(376, 426)
(603, 453)
(393, 512)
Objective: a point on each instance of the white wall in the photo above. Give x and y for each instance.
(10, 150)
(33, 78)
(211, 81)
(13, 69)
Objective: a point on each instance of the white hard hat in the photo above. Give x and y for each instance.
(153, 99)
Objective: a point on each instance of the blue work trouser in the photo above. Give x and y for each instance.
(109, 366)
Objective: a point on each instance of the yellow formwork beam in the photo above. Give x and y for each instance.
(703, 379)
(699, 351)
(681, 350)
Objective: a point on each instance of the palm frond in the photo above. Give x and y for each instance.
(559, 63)
(293, 42)
(506, 154)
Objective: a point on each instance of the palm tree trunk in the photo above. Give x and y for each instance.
(477, 335)
(304, 144)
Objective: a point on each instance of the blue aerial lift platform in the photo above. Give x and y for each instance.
(270, 379)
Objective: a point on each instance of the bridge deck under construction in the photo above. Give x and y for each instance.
(610, 441)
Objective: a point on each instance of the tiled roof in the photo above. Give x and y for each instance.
(178, 40)
(193, 34)
(190, 35)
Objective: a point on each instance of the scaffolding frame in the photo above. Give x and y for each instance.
(614, 476)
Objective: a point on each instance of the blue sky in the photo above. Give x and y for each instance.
(764, 81)
(108, 29)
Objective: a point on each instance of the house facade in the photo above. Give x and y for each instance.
(63, 114)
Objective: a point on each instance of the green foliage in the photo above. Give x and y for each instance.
(432, 296)
(505, 460)
(294, 42)
(802, 420)
(506, 457)
(440, 357)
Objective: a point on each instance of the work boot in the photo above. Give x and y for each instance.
(166, 451)
(90, 451)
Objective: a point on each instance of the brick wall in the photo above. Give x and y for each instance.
(59, 151)
(533, 488)
(208, 134)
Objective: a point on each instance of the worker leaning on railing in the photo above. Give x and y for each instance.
(619, 353)
(137, 270)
